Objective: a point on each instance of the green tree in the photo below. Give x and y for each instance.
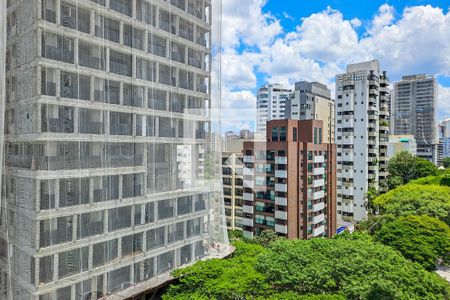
(266, 237)
(415, 199)
(422, 239)
(446, 162)
(233, 278)
(407, 167)
(356, 267)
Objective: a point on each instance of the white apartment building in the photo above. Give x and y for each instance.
(361, 137)
(106, 130)
(271, 104)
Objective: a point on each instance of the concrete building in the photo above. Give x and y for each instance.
(400, 143)
(445, 137)
(271, 104)
(290, 181)
(233, 185)
(98, 199)
(415, 99)
(362, 131)
(312, 101)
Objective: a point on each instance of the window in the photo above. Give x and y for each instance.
(282, 134)
(275, 134)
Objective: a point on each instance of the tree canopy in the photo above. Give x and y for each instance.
(422, 239)
(404, 167)
(349, 267)
(416, 199)
(446, 162)
(356, 267)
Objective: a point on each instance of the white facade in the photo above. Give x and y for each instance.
(271, 104)
(361, 137)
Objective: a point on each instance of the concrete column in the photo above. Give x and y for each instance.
(74, 227)
(107, 60)
(105, 220)
(121, 33)
(120, 186)
(55, 267)
(76, 117)
(58, 83)
(146, 48)
(56, 186)
(119, 245)
(75, 51)
(58, 12)
(121, 93)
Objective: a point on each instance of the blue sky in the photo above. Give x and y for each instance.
(290, 40)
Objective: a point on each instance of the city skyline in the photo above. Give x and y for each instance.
(269, 42)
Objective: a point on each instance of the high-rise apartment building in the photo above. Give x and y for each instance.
(312, 101)
(104, 186)
(290, 181)
(362, 131)
(233, 185)
(414, 112)
(445, 136)
(271, 104)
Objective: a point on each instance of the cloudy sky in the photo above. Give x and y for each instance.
(290, 40)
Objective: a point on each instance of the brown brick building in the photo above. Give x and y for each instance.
(290, 183)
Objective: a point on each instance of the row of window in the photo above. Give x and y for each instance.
(60, 230)
(76, 261)
(61, 119)
(61, 48)
(79, 18)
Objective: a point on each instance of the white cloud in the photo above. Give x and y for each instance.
(356, 22)
(326, 36)
(244, 20)
(443, 102)
(384, 18)
(416, 40)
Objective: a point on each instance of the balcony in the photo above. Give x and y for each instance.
(281, 173)
(248, 196)
(318, 219)
(347, 192)
(281, 160)
(318, 206)
(247, 171)
(281, 228)
(247, 209)
(281, 215)
(319, 231)
(319, 159)
(247, 222)
(319, 171)
(318, 195)
(59, 54)
(249, 159)
(249, 183)
(281, 187)
(281, 201)
(318, 183)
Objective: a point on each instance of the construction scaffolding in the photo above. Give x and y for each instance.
(110, 176)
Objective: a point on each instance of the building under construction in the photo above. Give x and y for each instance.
(106, 125)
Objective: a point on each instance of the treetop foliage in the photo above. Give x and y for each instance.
(415, 199)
